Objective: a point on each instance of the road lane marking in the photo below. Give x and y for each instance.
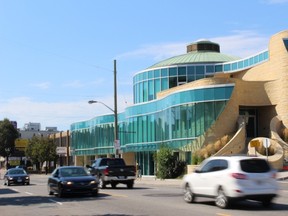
(29, 193)
(220, 214)
(115, 195)
(59, 203)
(15, 190)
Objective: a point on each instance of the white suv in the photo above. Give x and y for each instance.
(230, 178)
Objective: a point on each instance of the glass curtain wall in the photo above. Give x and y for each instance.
(175, 120)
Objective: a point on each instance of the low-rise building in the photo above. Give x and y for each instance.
(190, 101)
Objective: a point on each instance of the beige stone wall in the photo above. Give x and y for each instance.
(264, 86)
(276, 160)
(129, 158)
(274, 74)
(236, 145)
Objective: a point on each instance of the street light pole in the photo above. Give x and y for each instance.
(116, 133)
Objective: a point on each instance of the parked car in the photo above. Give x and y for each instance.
(72, 180)
(113, 171)
(230, 178)
(16, 176)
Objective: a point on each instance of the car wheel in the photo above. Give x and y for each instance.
(221, 200)
(102, 184)
(113, 185)
(189, 196)
(60, 192)
(49, 190)
(95, 193)
(130, 185)
(8, 183)
(267, 202)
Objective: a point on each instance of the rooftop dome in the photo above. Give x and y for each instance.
(201, 51)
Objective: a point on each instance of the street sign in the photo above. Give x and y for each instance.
(117, 144)
(61, 150)
(254, 143)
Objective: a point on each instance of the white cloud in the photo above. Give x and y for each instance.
(156, 51)
(63, 114)
(238, 43)
(74, 84)
(43, 85)
(242, 43)
(60, 115)
(80, 84)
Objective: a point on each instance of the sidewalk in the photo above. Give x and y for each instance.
(282, 175)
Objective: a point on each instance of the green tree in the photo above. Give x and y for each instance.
(41, 149)
(168, 165)
(8, 135)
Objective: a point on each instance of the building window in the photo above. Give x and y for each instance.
(200, 70)
(172, 82)
(181, 71)
(172, 72)
(164, 84)
(157, 87)
(164, 72)
(286, 43)
(218, 68)
(151, 74)
(156, 73)
(150, 90)
(210, 69)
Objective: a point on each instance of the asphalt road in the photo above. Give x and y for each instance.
(149, 197)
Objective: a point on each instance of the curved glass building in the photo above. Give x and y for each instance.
(176, 101)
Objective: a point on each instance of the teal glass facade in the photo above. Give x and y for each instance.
(175, 120)
(149, 82)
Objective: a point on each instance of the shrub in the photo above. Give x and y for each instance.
(197, 158)
(224, 140)
(168, 165)
(210, 149)
(217, 145)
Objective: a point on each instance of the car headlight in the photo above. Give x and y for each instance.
(67, 182)
(27, 177)
(93, 182)
(10, 178)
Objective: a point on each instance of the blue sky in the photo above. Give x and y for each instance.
(55, 55)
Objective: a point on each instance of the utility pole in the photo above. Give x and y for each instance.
(116, 134)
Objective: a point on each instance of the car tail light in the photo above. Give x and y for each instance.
(106, 171)
(239, 176)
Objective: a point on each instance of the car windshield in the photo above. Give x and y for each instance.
(254, 166)
(17, 171)
(75, 171)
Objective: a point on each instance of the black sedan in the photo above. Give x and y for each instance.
(72, 180)
(16, 176)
